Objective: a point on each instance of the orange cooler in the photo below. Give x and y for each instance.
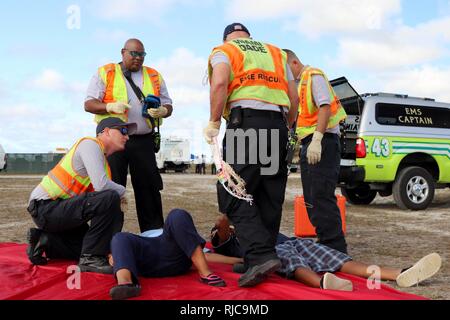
(302, 225)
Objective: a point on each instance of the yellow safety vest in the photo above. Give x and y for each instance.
(116, 89)
(258, 72)
(308, 111)
(63, 182)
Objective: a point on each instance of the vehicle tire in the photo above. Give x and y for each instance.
(413, 188)
(385, 193)
(360, 195)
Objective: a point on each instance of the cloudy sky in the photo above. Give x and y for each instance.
(50, 49)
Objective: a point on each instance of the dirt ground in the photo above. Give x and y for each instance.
(378, 234)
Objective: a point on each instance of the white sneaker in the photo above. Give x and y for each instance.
(423, 269)
(331, 282)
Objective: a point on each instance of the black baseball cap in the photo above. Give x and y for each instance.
(114, 123)
(234, 27)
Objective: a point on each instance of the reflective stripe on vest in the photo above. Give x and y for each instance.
(63, 182)
(308, 111)
(258, 72)
(116, 89)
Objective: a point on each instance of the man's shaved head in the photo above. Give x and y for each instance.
(133, 43)
(291, 55)
(131, 46)
(294, 63)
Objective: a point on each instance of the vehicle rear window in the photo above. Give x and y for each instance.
(350, 100)
(412, 116)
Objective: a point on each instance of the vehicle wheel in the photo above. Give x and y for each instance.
(413, 188)
(360, 195)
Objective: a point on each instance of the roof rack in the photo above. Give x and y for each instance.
(395, 95)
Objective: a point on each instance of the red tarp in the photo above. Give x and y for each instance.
(20, 280)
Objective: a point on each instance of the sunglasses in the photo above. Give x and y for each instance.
(123, 130)
(137, 54)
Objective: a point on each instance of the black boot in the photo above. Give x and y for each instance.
(37, 241)
(125, 291)
(239, 268)
(257, 274)
(93, 263)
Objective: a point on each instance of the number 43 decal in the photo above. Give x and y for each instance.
(380, 147)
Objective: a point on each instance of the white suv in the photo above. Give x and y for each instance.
(393, 144)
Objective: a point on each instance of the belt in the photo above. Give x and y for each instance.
(248, 113)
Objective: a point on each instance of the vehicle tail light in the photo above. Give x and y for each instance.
(360, 148)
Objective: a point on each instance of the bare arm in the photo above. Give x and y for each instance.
(215, 257)
(95, 106)
(219, 90)
(169, 110)
(293, 97)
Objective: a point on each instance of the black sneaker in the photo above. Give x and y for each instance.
(257, 274)
(239, 268)
(37, 241)
(92, 263)
(125, 291)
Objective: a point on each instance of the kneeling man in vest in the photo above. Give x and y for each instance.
(77, 190)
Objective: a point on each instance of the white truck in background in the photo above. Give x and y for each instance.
(174, 154)
(2, 158)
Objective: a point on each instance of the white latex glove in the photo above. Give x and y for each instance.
(117, 107)
(211, 131)
(124, 204)
(160, 112)
(314, 152)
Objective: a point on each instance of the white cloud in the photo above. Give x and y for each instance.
(188, 96)
(111, 36)
(182, 67)
(436, 29)
(370, 33)
(41, 127)
(424, 81)
(316, 17)
(402, 46)
(386, 53)
(150, 10)
(49, 80)
(54, 81)
(184, 74)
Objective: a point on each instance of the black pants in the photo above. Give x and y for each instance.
(319, 184)
(65, 223)
(139, 154)
(257, 225)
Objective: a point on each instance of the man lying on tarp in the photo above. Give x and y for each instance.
(302, 260)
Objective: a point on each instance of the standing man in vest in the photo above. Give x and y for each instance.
(77, 190)
(253, 88)
(117, 91)
(320, 113)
